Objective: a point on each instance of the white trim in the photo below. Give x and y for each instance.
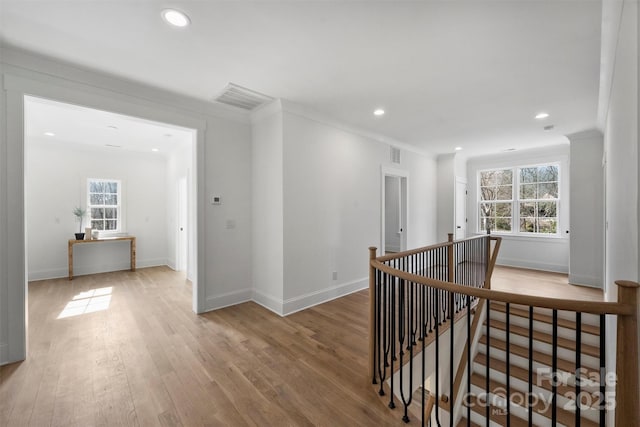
(589, 281)
(523, 263)
(302, 302)
(58, 273)
(269, 302)
(226, 300)
(40, 84)
(4, 353)
(385, 171)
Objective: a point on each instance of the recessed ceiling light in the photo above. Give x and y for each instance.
(155, 150)
(549, 127)
(458, 148)
(113, 145)
(50, 134)
(378, 112)
(509, 149)
(175, 18)
(541, 116)
(168, 135)
(112, 127)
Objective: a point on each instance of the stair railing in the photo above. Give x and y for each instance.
(417, 294)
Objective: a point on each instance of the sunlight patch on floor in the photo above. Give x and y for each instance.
(87, 302)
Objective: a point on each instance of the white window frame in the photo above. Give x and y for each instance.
(119, 216)
(515, 200)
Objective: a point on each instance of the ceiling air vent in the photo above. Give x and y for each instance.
(242, 97)
(395, 155)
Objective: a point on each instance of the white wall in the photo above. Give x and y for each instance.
(332, 206)
(618, 114)
(446, 195)
(536, 252)
(586, 257)
(392, 213)
(268, 252)
(223, 166)
(56, 176)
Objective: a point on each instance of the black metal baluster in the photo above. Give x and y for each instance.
(578, 376)
(423, 327)
(508, 362)
(530, 395)
(392, 339)
(554, 370)
(602, 370)
(451, 350)
(437, 322)
(469, 338)
(376, 322)
(401, 336)
(487, 377)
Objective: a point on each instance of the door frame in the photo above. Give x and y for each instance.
(15, 89)
(404, 197)
(460, 180)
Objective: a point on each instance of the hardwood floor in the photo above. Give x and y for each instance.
(124, 348)
(148, 360)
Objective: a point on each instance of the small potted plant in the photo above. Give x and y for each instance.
(80, 213)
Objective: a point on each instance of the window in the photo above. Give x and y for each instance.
(104, 198)
(520, 200)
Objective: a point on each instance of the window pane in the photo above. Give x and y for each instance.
(485, 209)
(110, 224)
(528, 174)
(96, 199)
(504, 177)
(527, 209)
(487, 178)
(111, 187)
(547, 225)
(547, 209)
(527, 225)
(503, 224)
(97, 213)
(96, 187)
(502, 209)
(111, 199)
(504, 192)
(547, 173)
(548, 191)
(97, 225)
(528, 191)
(487, 222)
(111, 213)
(487, 193)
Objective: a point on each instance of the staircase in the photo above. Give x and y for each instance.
(510, 366)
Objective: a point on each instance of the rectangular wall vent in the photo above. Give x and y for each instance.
(395, 155)
(242, 97)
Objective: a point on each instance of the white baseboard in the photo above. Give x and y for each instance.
(58, 273)
(302, 302)
(589, 281)
(216, 302)
(532, 265)
(269, 302)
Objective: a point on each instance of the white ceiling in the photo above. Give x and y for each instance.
(100, 129)
(448, 73)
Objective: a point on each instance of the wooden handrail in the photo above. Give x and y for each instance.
(627, 392)
(594, 307)
(425, 248)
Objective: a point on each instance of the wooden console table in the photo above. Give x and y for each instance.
(131, 239)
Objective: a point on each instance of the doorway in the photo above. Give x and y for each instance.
(461, 209)
(394, 212)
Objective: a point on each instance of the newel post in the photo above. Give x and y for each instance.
(372, 312)
(627, 389)
(451, 269)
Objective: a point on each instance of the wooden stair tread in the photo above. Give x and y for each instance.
(523, 375)
(562, 415)
(545, 338)
(495, 413)
(540, 317)
(543, 358)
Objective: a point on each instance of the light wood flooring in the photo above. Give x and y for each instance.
(139, 356)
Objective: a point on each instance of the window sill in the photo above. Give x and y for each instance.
(559, 239)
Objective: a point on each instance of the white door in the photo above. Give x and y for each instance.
(181, 246)
(461, 209)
